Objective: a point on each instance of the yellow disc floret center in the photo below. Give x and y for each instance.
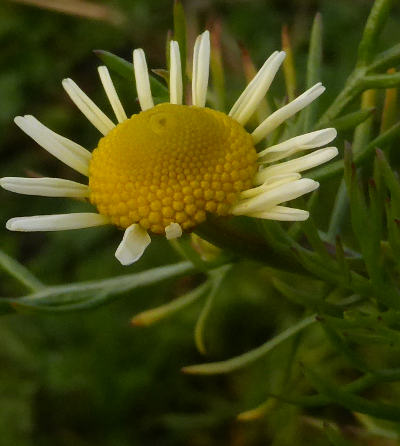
(171, 164)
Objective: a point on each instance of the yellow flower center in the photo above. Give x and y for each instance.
(171, 164)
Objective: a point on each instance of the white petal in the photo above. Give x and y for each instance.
(201, 68)
(297, 144)
(45, 187)
(70, 153)
(175, 74)
(173, 230)
(250, 86)
(284, 113)
(142, 79)
(282, 213)
(112, 94)
(59, 222)
(135, 241)
(298, 164)
(258, 89)
(272, 197)
(102, 123)
(270, 184)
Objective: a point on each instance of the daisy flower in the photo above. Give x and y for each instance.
(162, 170)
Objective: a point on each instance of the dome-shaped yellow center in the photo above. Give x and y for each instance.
(171, 164)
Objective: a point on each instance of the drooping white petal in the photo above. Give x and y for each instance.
(70, 153)
(201, 68)
(59, 222)
(297, 144)
(102, 123)
(173, 230)
(298, 164)
(257, 89)
(250, 86)
(142, 79)
(45, 187)
(135, 241)
(282, 213)
(112, 94)
(270, 184)
(175, 74)
(265, 201)
(284, 113)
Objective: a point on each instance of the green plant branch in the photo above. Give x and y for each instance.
(372, 30)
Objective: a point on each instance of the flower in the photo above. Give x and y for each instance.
(163, 169)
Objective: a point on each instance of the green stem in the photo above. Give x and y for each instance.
(373, 28)
(351, 89)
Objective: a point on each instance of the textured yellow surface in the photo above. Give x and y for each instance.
(172, 163)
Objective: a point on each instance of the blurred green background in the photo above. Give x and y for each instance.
(90, 378)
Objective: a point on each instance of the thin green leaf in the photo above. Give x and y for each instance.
(313, 70)
(372, 30)
(311, 232)
(387, 59)
(342, 346)
(153, 315)
(393, 226)
(85, 293)
(334, 436)
(304, 298)
(125, 70)
(339, 212)
(350, 120)
(19, 272)
(217, 276)
(251, 356)
(336, 168)
(289, 70)
(390, 179)
(342, 262)
(350, 401)
(381, 80)
(180, 36)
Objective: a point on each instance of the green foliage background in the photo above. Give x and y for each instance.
(89, 377)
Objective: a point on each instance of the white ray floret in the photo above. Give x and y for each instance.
(275, 196)
(173, 230)
(133, 244)
(70, 153)
(112, 94)
(298, 164)
(102, 123)
(284, 113)
(287, 148)
(175, 74)
(270, 184)
(201, 68)
(282, 213)
(236, 106)
(45, 187)
(59, 222)
(256, 90)
(142, 79)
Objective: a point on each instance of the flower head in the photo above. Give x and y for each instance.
(162, 170)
